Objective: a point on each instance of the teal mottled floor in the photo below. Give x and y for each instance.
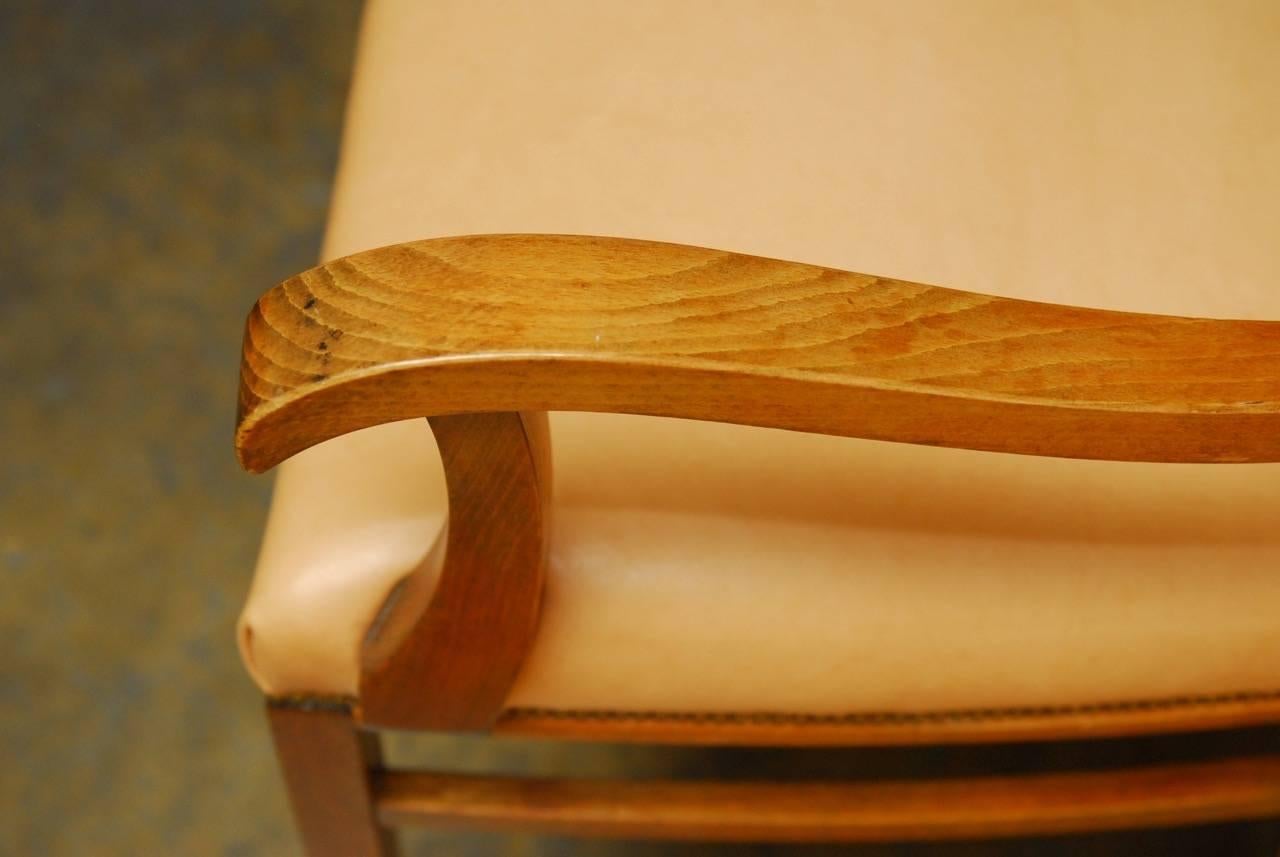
(160, 164)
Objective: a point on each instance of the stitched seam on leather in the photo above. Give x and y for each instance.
(899, 718)
(313, 702)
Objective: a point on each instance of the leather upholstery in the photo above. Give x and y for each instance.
(1108, 155)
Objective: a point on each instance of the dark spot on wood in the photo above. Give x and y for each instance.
(322, 345)
(319, 377)
(309, 304)
(334, 333)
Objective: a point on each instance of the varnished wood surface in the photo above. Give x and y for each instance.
(829, 811)
(533, 322)
(327, 766)
(455, 666)
(1149, 717)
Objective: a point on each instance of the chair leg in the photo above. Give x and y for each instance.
(327, 764)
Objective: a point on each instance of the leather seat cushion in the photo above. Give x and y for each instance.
(1100, 155)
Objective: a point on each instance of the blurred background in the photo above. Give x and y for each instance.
(160, 165)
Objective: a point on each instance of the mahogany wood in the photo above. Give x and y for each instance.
(459, 659)
(1229, 790)
(327, 765)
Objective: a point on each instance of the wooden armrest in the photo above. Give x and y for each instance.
(482, 334)
(501, 323)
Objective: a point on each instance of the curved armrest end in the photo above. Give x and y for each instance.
(499, 323)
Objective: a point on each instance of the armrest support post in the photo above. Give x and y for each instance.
(455, 666)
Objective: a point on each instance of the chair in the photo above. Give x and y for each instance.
(689, 495)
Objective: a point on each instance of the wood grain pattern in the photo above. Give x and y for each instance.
(454, 668)
(853, 812)
(536, 322)
(327, 766)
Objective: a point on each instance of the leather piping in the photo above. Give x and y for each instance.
(313, 702)
(879, 718)
(904, 718)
